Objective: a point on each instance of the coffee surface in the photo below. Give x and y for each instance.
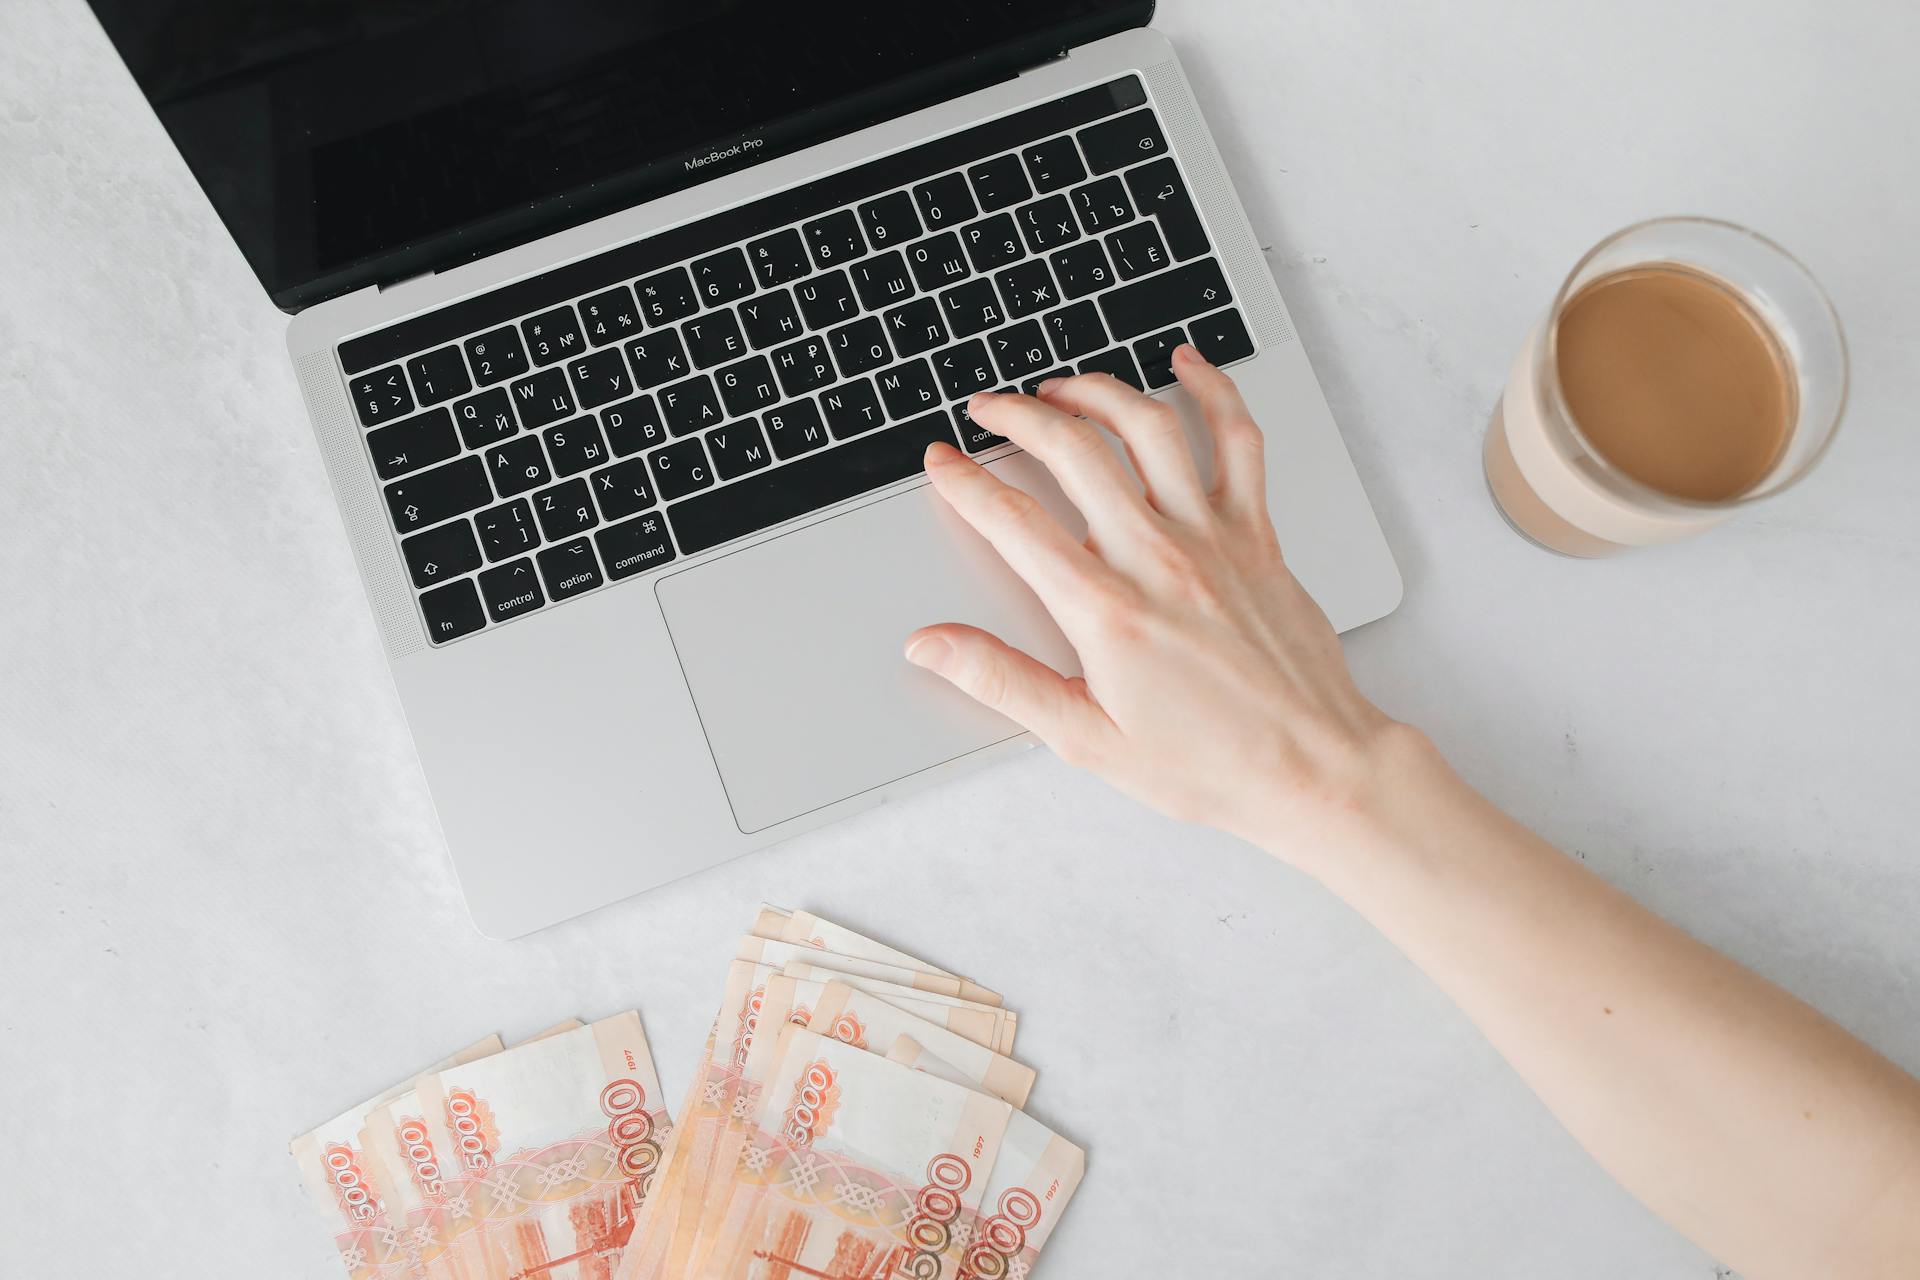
(1676, 380)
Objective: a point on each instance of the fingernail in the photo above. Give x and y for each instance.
(930, 652)
(1190, 351)
(1048, 386)
(982, 397)
(939, 454)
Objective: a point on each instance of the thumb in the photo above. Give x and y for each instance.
(1017, 685)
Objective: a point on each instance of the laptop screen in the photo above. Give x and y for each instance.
(346, 142)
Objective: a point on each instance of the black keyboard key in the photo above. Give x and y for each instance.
(938, 261)
(1119, 363)
(600, 378)
(657, 358)
(1048, 223)
(945, 202)
(1020, 351)
(542, 397)
(999, 182)
(1164, 299)
(381, 397)
(442, 554)
(517, 466)
(666, 296)
(908, 389)
(860, 347)
(623, 488)
(852, 410)
(713, 338)
(890, 220)
(1082, 269)
(973, 437)
(992, 242)
(429, 497)
(883, 280)
(770, 318)
(747, 387)
(632, 425)
(1075, 331)
(780, 258)
(511, 590)
(575, 446)
(971, 308)
(564, 510)
(507, 530)
(795, 428)
(452, 611)
(496, 356)
(438, 375)
(1222, 337)
(812, 482)
(738, 448)
(803, 366)
(1138, 250)
(413, 443)
(1027, 288)
(552, 335)
(690, 406)
(1159, 189)
(835, 239)
(569, 569)
(827, 300)
(629, 548)
(964, 369)
(722, 277)
(1155, 354)
(485, 419)
(680, 469)
(610, 315)
(1030, 385)
(1115, 144)
(1053, 164)
(916, 327)
(1101, 206)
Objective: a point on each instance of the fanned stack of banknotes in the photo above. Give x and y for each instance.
(855, 1115)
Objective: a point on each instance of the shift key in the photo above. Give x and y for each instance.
(440, 494)
(1164, 300)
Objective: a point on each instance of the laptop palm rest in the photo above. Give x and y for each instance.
(792, 648)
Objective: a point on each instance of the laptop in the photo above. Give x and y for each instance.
(623, 327)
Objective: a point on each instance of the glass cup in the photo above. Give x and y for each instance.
(1561, 493)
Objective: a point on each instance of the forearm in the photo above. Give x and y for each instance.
(1759, 1128)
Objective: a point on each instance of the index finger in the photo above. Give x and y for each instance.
(1046, 557)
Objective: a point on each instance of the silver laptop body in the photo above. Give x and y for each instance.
(726, 700)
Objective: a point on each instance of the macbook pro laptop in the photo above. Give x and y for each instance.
(623, 326)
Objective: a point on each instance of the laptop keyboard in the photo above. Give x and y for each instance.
(674, 394)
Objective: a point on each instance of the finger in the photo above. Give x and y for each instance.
(1151, 430)
(1017, 685)
(1239, 450)
(1075, 452)
(1046, 557)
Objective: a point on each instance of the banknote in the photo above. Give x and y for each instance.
(857, 1167)
(868, 1022)
(767, 951)
(335, 1169)
(546, 1151)
(824, 935)
(1033, 1178)
(989, 1025)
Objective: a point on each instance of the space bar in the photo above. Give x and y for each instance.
(815, 481)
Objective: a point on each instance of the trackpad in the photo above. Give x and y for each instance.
(792, 648)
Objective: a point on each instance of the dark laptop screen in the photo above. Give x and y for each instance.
(349, 141)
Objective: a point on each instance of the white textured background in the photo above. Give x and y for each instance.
(226, 912)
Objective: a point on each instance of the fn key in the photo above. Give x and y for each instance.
(452, 611)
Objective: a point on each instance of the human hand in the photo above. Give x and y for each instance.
(1215, 690)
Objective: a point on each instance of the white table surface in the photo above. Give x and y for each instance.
(226, 911)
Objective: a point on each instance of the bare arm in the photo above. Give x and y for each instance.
(1216, 691)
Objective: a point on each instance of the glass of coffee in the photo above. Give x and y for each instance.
(1686, 368)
